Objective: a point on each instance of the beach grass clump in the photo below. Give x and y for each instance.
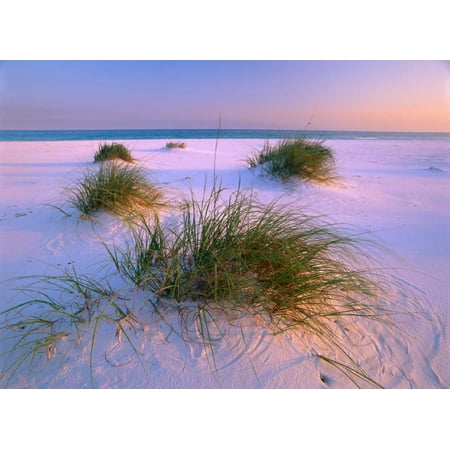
(115, 187)
(295, 158)
(108, 152)
(243, 254)
(175, 145)
(241, 258)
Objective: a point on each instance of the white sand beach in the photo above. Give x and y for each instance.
(396, 190)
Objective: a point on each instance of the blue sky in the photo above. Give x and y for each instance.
(338, 95)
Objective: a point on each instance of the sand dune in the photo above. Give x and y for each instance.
(396, 190)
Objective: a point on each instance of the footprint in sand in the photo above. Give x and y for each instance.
(56, 244)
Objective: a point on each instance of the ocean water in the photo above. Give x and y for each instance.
(107, 135)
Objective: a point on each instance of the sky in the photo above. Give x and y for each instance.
(318, 95)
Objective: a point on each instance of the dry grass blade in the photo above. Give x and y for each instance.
(65, 306)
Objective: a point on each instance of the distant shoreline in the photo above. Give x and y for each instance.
(135, 134)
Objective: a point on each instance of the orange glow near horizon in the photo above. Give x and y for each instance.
(427, 118)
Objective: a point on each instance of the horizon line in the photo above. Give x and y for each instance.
(220, 129)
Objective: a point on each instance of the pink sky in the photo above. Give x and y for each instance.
(334, 95)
